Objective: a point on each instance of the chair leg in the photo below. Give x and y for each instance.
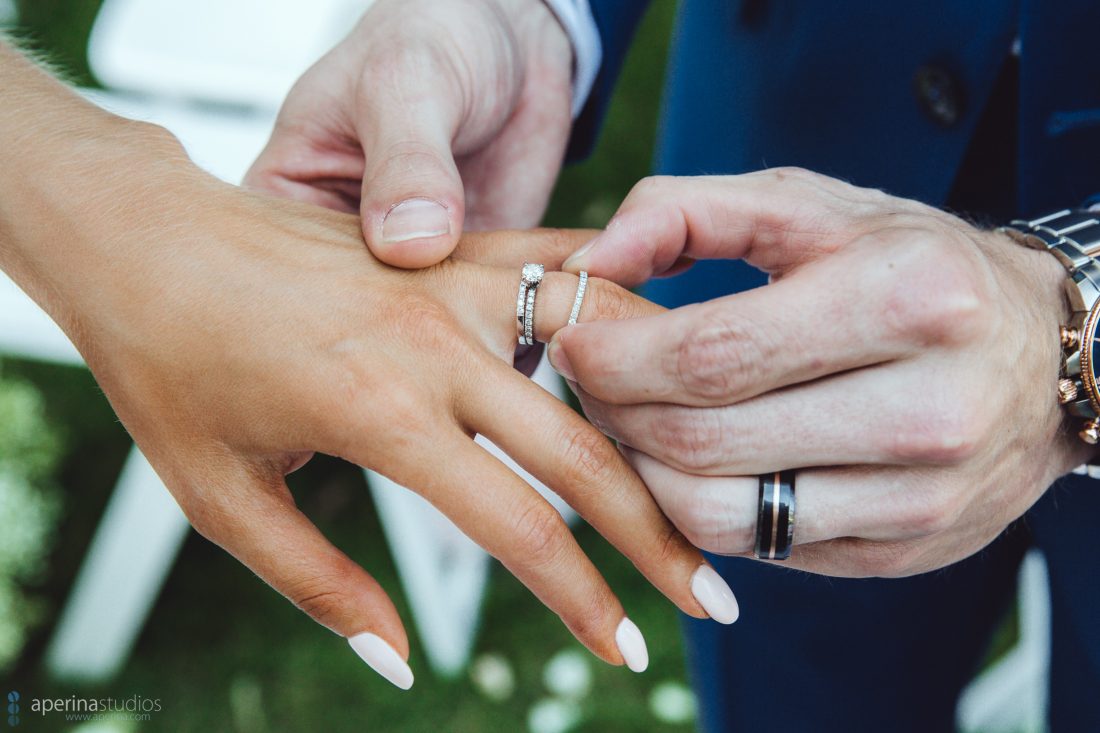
(130, 557)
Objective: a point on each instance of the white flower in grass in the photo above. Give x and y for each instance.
(672, 702)
(493, 677)
(553, 715)
(568, 674)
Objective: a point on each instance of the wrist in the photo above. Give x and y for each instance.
(70, 210)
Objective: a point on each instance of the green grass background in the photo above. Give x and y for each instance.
(223, 651)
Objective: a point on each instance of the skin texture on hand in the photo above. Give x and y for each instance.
(904, 360)
(432, 117)
(236, 334)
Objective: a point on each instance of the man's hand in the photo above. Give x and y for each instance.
(432, 117)
(904, 360)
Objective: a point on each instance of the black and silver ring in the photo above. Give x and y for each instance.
(775, 518)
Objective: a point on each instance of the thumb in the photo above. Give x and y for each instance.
(412, 202)
(256, 521)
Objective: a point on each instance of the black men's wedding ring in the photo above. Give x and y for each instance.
(775, 517)
(529, 281)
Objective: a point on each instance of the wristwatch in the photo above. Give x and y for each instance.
(1073, 236)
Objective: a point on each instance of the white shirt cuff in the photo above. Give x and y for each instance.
(576, 18)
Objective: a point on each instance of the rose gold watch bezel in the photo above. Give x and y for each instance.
(1086, 342)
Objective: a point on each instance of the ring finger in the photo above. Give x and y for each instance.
(718, 513)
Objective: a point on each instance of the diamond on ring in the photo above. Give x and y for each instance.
(530, 279)
(532, 274)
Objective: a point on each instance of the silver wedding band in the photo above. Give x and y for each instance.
(529, 282)
(578, 301)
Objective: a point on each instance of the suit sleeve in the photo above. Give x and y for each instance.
(616, 20)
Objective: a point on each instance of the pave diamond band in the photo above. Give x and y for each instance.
(529, 281)
(578, 301)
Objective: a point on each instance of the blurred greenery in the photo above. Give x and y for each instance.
(29, 450)
(223, 652)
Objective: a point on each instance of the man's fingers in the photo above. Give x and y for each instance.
(799, 328)
(256, 521)
(567, 454)
(774, 219)
(412, 202)
(719, 513)
(849, 419)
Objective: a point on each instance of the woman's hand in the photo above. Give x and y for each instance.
(236, 334)
(905, 360)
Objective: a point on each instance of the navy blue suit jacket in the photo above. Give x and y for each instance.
(830, 86)
(895, 95)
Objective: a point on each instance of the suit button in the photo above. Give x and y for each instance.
(939, 95)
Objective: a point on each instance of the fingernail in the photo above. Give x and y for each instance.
(631, 645)
(576, 262)
(714, 595)
(383, 659)
(555, 352)
(415, 219)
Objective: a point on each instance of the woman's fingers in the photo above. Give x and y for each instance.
(511, 521)
(491, 294)
(567, 454)
(256, 521)
(511, 248)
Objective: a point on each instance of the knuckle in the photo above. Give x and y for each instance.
(722, 357)
(704, 523)
(694, 438)
(935, 295)
(788, 173)
(593, 618)
(887, 559)
(670, 544)
(423, 324)
(410, 161)
(610, 301)
(937, 514)
(322, 599)
(542, 533)
(948, 434)
(394, 422)
(587, 454)
(652, 187)
(930, 505)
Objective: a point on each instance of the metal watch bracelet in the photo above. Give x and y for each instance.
(1073, 237)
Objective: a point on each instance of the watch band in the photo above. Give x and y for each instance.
(1073, 237)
